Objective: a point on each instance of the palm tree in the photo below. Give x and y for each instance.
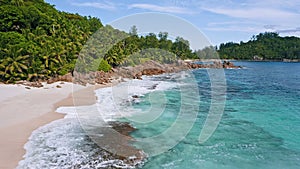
(111, 57)
(17, 2)
(15, 65)
(2, 69)
(49, 60)
(52, 55)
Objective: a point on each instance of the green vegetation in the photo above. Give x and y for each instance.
(208, 52)
(264, 46)
(134, 50)
(104, 66)
(38, 42)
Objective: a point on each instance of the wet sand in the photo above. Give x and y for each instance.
(24, 110)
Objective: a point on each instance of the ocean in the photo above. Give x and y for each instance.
(257, 124)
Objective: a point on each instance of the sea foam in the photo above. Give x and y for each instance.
(64, 143)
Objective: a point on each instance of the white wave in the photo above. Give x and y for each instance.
(115, 102)
(64, 144)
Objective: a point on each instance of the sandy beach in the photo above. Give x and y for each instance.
(24, 110)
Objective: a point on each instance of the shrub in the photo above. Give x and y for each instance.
(104, 66)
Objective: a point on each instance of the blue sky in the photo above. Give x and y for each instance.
(219, 20)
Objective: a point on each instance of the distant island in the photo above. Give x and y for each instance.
(38, 42)
(264, 46)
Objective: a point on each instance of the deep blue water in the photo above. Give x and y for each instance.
(260, 126)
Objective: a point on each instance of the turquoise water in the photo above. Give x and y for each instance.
(260, 127)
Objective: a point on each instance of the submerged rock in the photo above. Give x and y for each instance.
(64, 144)
(152, 71)
(122, 127)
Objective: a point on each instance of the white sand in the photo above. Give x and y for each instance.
(24, 110)
(19, 104)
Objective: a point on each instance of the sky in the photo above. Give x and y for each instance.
(220, 21)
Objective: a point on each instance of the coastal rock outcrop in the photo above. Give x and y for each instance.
(148, 68)
(214, 65)
(152, 71)
(65, 78)
(37, 84)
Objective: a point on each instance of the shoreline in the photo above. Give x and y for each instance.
(132, 156)
(28, 117)
(17, 131)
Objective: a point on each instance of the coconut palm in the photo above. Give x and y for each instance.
(15, 65)
(17, 2)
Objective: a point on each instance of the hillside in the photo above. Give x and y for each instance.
(38, 42)
(264, 46)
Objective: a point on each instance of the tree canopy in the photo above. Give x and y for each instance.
(37, 42)
(265, 46)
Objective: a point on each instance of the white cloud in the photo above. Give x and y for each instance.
(226, 23)
(297, 34)
(279, 4)
(105, 5)
(267, 14)
(289, 30)
(253, 28)
(157, 8)
(252, 16)
(238, 28)
(268, 11)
